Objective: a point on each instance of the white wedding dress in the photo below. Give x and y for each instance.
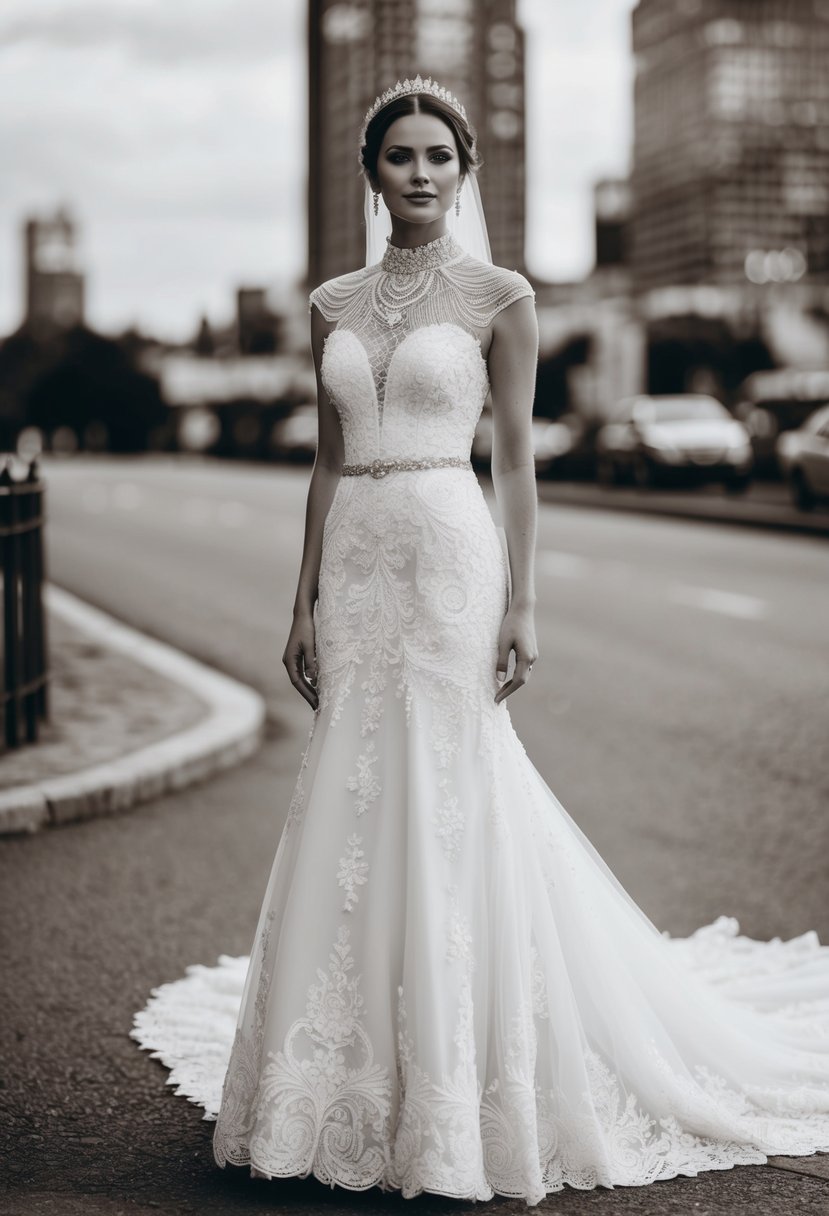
(449, 990)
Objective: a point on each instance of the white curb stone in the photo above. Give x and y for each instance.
(232, 730)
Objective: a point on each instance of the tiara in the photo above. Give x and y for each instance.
(412, 86)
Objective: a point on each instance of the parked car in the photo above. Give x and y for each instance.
(803, 456)
(772, 402)
(552, 441)
(295, 436)
(685, 437)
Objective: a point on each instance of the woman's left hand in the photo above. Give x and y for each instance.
(518, 634)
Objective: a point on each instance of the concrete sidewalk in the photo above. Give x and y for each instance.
(130, 718)
(763, 505)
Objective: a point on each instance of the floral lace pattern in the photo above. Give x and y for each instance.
(449, 991)
(353, 871)
(365, 782)
(323, 1092)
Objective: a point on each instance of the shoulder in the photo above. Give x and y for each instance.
(512, 283)
(492, 287)
(332, 296)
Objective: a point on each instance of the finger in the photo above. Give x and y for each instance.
(505, 690)
(310, 662)
(519, 679)
(297, 678)
(308, 693)
(502, 665)
(522, 670)
(305, 690)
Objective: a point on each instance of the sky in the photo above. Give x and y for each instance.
(175, 134)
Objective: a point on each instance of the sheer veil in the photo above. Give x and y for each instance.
(469, 228)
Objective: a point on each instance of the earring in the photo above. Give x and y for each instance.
(376, 202)
(458, 202)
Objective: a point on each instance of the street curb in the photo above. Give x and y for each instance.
(706, 511)
(232, 730)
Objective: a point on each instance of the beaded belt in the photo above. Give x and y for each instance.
(379, 468)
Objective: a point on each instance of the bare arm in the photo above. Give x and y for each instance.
(512, 362)
(300, 652)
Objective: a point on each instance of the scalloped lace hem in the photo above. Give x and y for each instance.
(491, 1186)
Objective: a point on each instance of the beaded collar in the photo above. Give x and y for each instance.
(437, 252)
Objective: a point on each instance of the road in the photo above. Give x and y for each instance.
(678, 710)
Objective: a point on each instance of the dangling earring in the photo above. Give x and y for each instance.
(376, 202)
(458, 202)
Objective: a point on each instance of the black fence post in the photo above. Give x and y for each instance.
(11, 610)
(40, 637)
(25, 666)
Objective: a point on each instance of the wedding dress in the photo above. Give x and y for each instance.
(449, 991)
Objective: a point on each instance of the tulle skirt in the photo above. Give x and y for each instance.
(455, 994)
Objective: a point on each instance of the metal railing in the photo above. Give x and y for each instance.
(24, 694)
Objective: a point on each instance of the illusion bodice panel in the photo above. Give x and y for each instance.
(436, 384)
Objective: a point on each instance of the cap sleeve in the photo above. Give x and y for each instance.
(483, 290)
(333, 296)
(512, 286)
(324, 299)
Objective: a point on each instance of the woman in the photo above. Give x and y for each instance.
(449, 991)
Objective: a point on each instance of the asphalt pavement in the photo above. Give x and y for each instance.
(678, 710)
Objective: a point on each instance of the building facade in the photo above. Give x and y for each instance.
(53, 282)
(731, 143)
(358, 49)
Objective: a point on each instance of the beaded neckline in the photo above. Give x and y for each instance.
(433, 253)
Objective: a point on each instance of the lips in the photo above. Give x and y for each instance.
(420, 196)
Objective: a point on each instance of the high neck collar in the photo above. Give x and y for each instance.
(432, 253)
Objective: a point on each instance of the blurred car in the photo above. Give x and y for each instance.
(803, 456)
(772, 402)
(295, 436)
(672, 438)
(552, 441)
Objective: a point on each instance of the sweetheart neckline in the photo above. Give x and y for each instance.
(401, 344)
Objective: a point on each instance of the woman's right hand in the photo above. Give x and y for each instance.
(300, 658)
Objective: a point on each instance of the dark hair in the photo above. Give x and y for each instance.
(419, 103)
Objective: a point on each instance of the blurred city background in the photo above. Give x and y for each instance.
(176, 181)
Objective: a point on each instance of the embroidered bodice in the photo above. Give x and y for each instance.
(404, 365)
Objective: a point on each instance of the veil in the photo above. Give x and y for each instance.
(468, 228)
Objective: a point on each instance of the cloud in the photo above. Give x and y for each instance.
(184, 174)
(154, 30)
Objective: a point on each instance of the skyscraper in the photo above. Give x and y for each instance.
(731, 142)
(360, 48)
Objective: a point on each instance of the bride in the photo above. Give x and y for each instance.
(449, 991)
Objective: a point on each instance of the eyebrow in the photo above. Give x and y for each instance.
(406, 148)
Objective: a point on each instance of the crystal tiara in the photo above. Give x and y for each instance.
(411, 86)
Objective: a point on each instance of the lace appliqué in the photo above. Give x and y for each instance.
(449, 821)
(241, 1081)
(365, 783)
(324, 1103)
(296, 809)
(459, 935)
(353, 871)
(437, 1144)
